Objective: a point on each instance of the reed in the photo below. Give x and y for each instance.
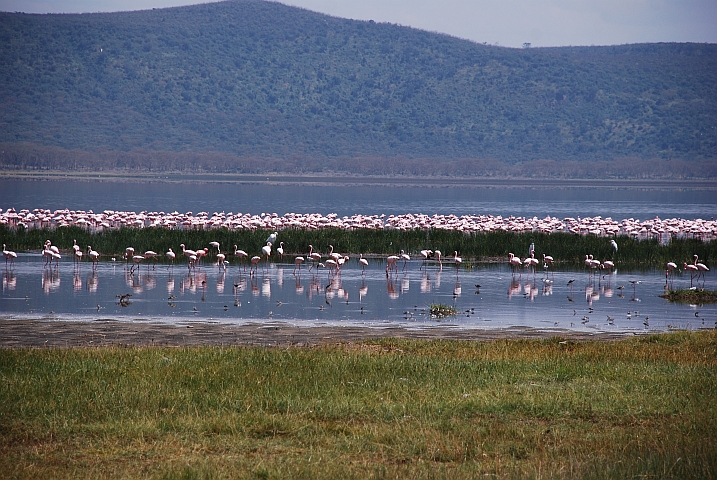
(566, 248)
(644, 407)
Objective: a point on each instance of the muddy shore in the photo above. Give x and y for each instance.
(35, 333)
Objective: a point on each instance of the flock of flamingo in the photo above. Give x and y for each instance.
(334, 261)
(96, 222)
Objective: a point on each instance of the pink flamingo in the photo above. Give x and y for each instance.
(254, 264)
(437, 256)
(458, 260)
(241, 254)
(266, 251)
(425, 254)
(280, 250)
(221, 259)
(405, 257)
(692, 269)
(315, 257)
(670, 273)
(9, 255)
(151, 254)
(364, 263)
(701, 268)
(297, 263)
(391, 263)
(46, 255)
(170, 256)
(93, 255)
(515, 262)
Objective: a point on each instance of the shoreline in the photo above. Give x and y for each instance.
(39, 333)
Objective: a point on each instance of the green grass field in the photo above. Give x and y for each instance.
(639, 408)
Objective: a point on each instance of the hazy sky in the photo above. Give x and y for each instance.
(504, 22)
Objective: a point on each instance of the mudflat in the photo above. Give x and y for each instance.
(36, 333)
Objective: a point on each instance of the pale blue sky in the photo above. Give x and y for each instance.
(504, 22)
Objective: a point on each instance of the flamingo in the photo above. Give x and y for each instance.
(185, 252)
(297, 263)
(515, 262)
(128, 252)
(254, 263)
(425, 254)
(93, 255)
(692, 269)
(280, 250)
(46, 255)
(701, 268)
(9, 255)
(315, 257)
(170, 256)
(405, 257)
(220, 259)
(364, 264)
(266, 251)
(669, 273)
(56, 250)
(391, 263)
(151, 254)
(78, 254)
(241, 254)
(334, 256)
(458, 260)
(437, 255)
(201, 254)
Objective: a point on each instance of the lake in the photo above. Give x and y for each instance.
(524, 199)
(372, 298)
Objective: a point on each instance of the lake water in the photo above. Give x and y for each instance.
(326, 196)
(353, 297)
(178, 295)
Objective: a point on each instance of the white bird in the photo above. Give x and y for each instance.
(94, 256)
(613, 243)
(9, 255)
(272, 238)
(170, 256)
(363, 262)
(280, 250)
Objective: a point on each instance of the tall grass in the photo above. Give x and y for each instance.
(644, 407)
(564, 247)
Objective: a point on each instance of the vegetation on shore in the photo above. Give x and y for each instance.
(643, 407)
(253, 86)
(567, 249)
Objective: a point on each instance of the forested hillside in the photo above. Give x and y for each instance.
(260, 80)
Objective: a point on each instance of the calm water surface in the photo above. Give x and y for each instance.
(177, 295)
(524, 201)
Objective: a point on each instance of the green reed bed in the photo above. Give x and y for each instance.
(644, 407)
(565, 248)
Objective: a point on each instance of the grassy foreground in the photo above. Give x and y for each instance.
(644, 407)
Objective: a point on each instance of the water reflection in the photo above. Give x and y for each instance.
(569, 299)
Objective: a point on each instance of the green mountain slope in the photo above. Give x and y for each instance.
(254, 78)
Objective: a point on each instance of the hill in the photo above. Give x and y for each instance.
(250, 79)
